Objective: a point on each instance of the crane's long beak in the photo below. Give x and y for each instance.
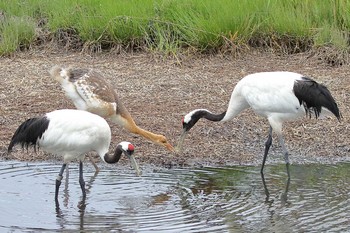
(178, 147)
(135, 165)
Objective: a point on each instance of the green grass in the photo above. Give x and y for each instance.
(172, 25)
(16, 32)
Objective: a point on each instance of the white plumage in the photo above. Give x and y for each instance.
(71, 134)
(278, 96)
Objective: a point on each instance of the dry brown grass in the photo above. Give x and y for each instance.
(159, 91)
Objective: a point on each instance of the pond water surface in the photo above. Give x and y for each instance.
(209, 199)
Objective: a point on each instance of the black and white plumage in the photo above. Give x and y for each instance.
(278, 96)
(71, 134)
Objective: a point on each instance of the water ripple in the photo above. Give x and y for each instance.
(176, 200)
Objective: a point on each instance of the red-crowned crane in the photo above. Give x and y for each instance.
(89, 91)
(71, 134)
(278, 96)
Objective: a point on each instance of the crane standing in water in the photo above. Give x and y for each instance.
(278, 96)
(71, 134)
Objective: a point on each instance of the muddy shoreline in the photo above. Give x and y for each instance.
(159, 91)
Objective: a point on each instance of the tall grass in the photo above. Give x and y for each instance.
(170, 25)
(16, 32)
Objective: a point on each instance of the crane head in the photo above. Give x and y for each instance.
(128, 149)
(188, 122)
(162, 141)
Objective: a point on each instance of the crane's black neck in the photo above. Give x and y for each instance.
(212, 117)
(202, 113)
(114, 158)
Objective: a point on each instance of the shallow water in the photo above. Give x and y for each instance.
(225, 199)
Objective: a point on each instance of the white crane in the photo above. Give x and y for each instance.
(278, 96)
(71, 134)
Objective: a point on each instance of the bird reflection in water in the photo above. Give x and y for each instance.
(81, 204)
(284, 195)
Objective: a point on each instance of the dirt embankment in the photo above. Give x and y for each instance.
(158, 92)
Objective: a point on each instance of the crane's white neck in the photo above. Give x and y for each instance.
(236, 105)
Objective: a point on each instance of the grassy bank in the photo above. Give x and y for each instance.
(173, 25)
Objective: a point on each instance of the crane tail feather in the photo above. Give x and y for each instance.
(314, 96)
(28, 133)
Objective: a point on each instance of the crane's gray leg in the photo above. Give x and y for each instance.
(81, 179)
(285, 153)
(58, 180)
(267, 193)
(93, 163)
(267, 147)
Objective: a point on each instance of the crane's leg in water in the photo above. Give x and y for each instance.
(267, 147)
(285, 153)
(58, 180)
(81, 179)
(93, 163)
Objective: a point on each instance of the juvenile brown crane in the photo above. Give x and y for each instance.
(89, 91)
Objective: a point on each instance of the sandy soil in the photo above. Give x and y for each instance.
(158, 92)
